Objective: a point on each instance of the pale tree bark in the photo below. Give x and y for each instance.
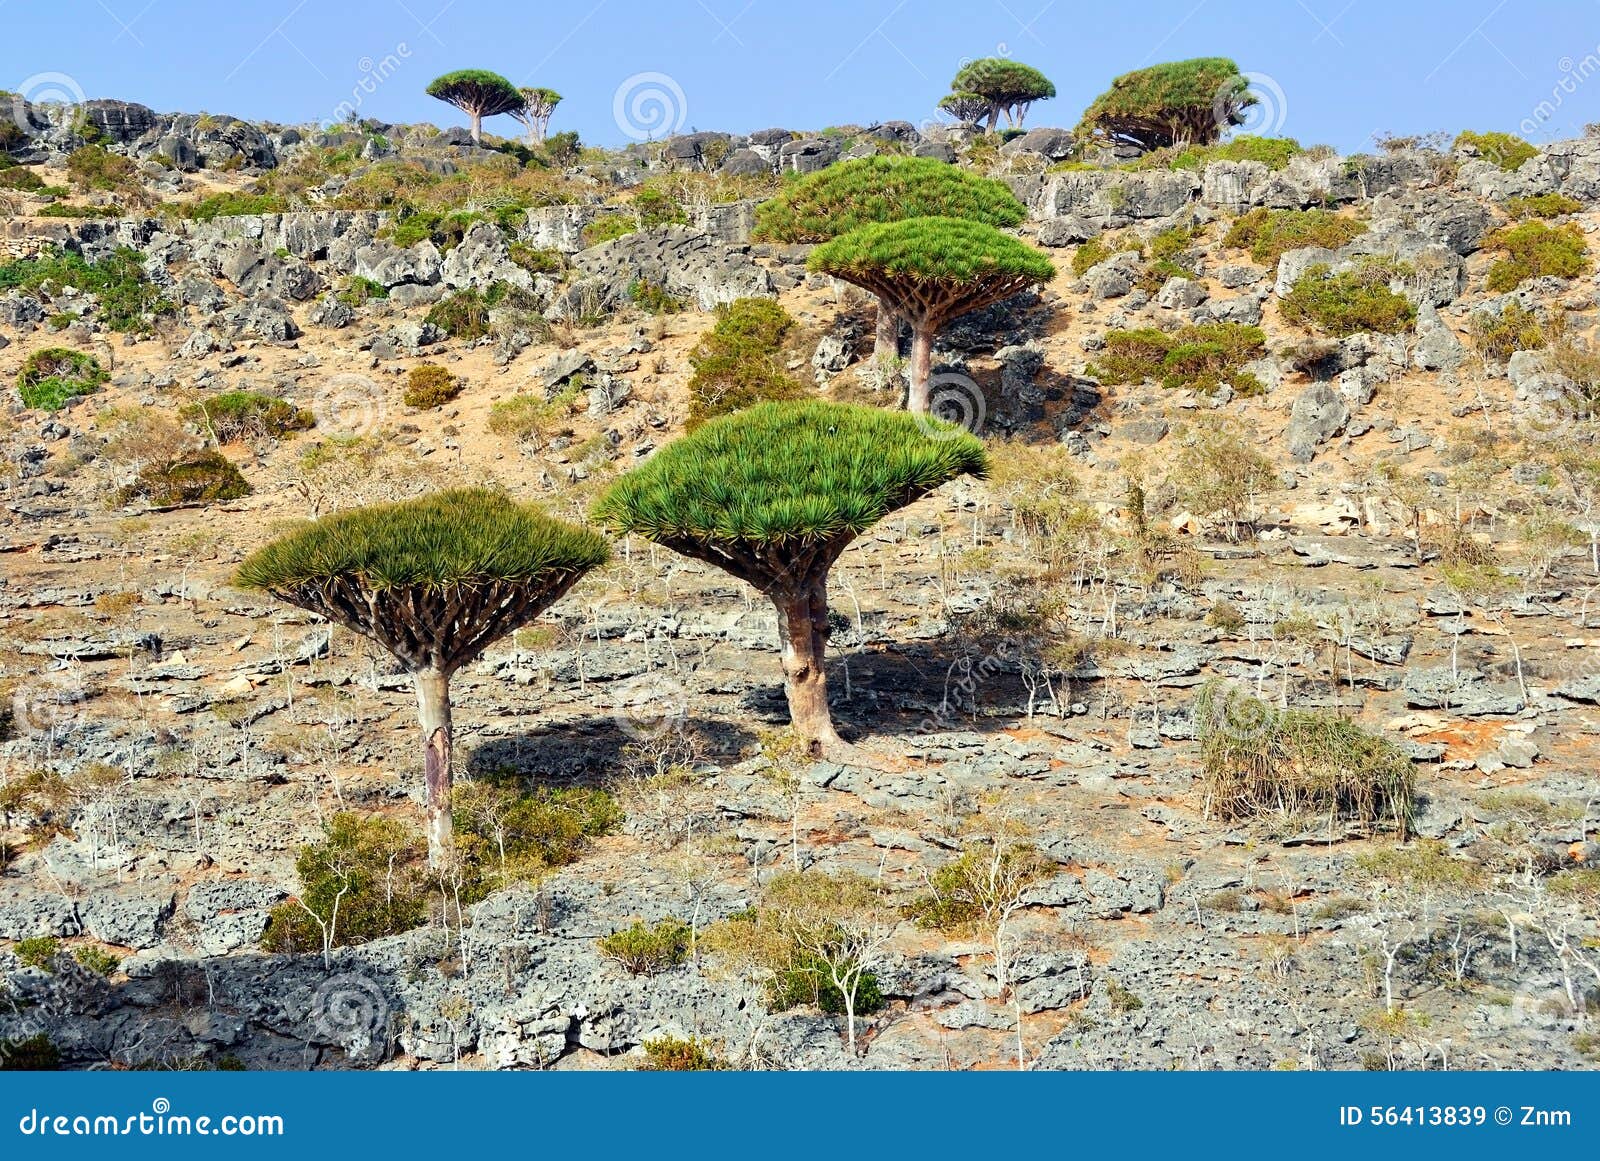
(433, 709)
(917, 393)
(477, 126)
(803, 631)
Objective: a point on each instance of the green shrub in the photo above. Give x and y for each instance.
(1506, 150)
(206, 477)
(609, 228)
(464, 315)
(647, 951)
(563, 148)
(505, 834)
(1514, 329)
(52, 376)
(537, 261)
(656, 207)
(128, 300)
(21, 179)
(1273, 152)
(1258, 759)
(444, 229)
(37, 952)
(671, 1054)
(532, 419)
(738, 362)
(239, 415)
(36, 1053)
(430, 385)
(1545, 205)
(62, 210)
(1350, 301)
(95, 167)
(232, 204)
(1534, 250)
(1200, 357)
(653, 298)
(365, 879)
(1267, 234)
(357, 291)
(805, 980)
(96, 959)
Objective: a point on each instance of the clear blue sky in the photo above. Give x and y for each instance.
(1344, 68)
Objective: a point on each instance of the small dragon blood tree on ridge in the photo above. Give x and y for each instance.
(773, 495)
(930, 271)
(869, 190)
(435, 581)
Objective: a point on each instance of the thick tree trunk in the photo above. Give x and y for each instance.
(433, 710)
(477, 127)
(921, 369)
(994, 117)
(886, 345)
(803, 631)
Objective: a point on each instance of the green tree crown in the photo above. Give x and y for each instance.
(1003, 82)
(931, 249)
(870, 190)
(464, 536)
(1157, 105)
(487, 92)
(788, 472)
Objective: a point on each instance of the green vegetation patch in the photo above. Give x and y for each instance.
(1536, 249)
(1352, 300)
(739, 361)
(1200, 357)
(53, 376)
(1268, 234)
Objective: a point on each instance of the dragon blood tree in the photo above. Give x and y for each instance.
(435, 581)
(773, 495)
(478, 93)
(869, 190)
(1193, 101)
(930, 271)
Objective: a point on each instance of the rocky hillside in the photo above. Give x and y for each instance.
(1313, 444)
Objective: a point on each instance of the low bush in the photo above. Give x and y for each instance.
(38, 952)
(533, 420)
(1506, 150)
(1273, 152)
(672, 1054)
(609, 228)
(365, 879)
(1535, 250)
(1258, 759)
(1096, 250)
(1200, 357)
(54, 375)
(96, 167)
(738, 362)
(232, 204)
(128, 300)
(444, 229)
(240, 415)
(36, 1053)
(804, 979)
(1268, 234)
(505, 834)
(1545, 205)
(1498, 337)
(1358, 299)
(648, 951)
(537, 261)
(463, 315)
(1218, 473)
(20, 179)
(430, 385)
(653, 298)
(206, 477)
(357, 291)
(96, 959)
